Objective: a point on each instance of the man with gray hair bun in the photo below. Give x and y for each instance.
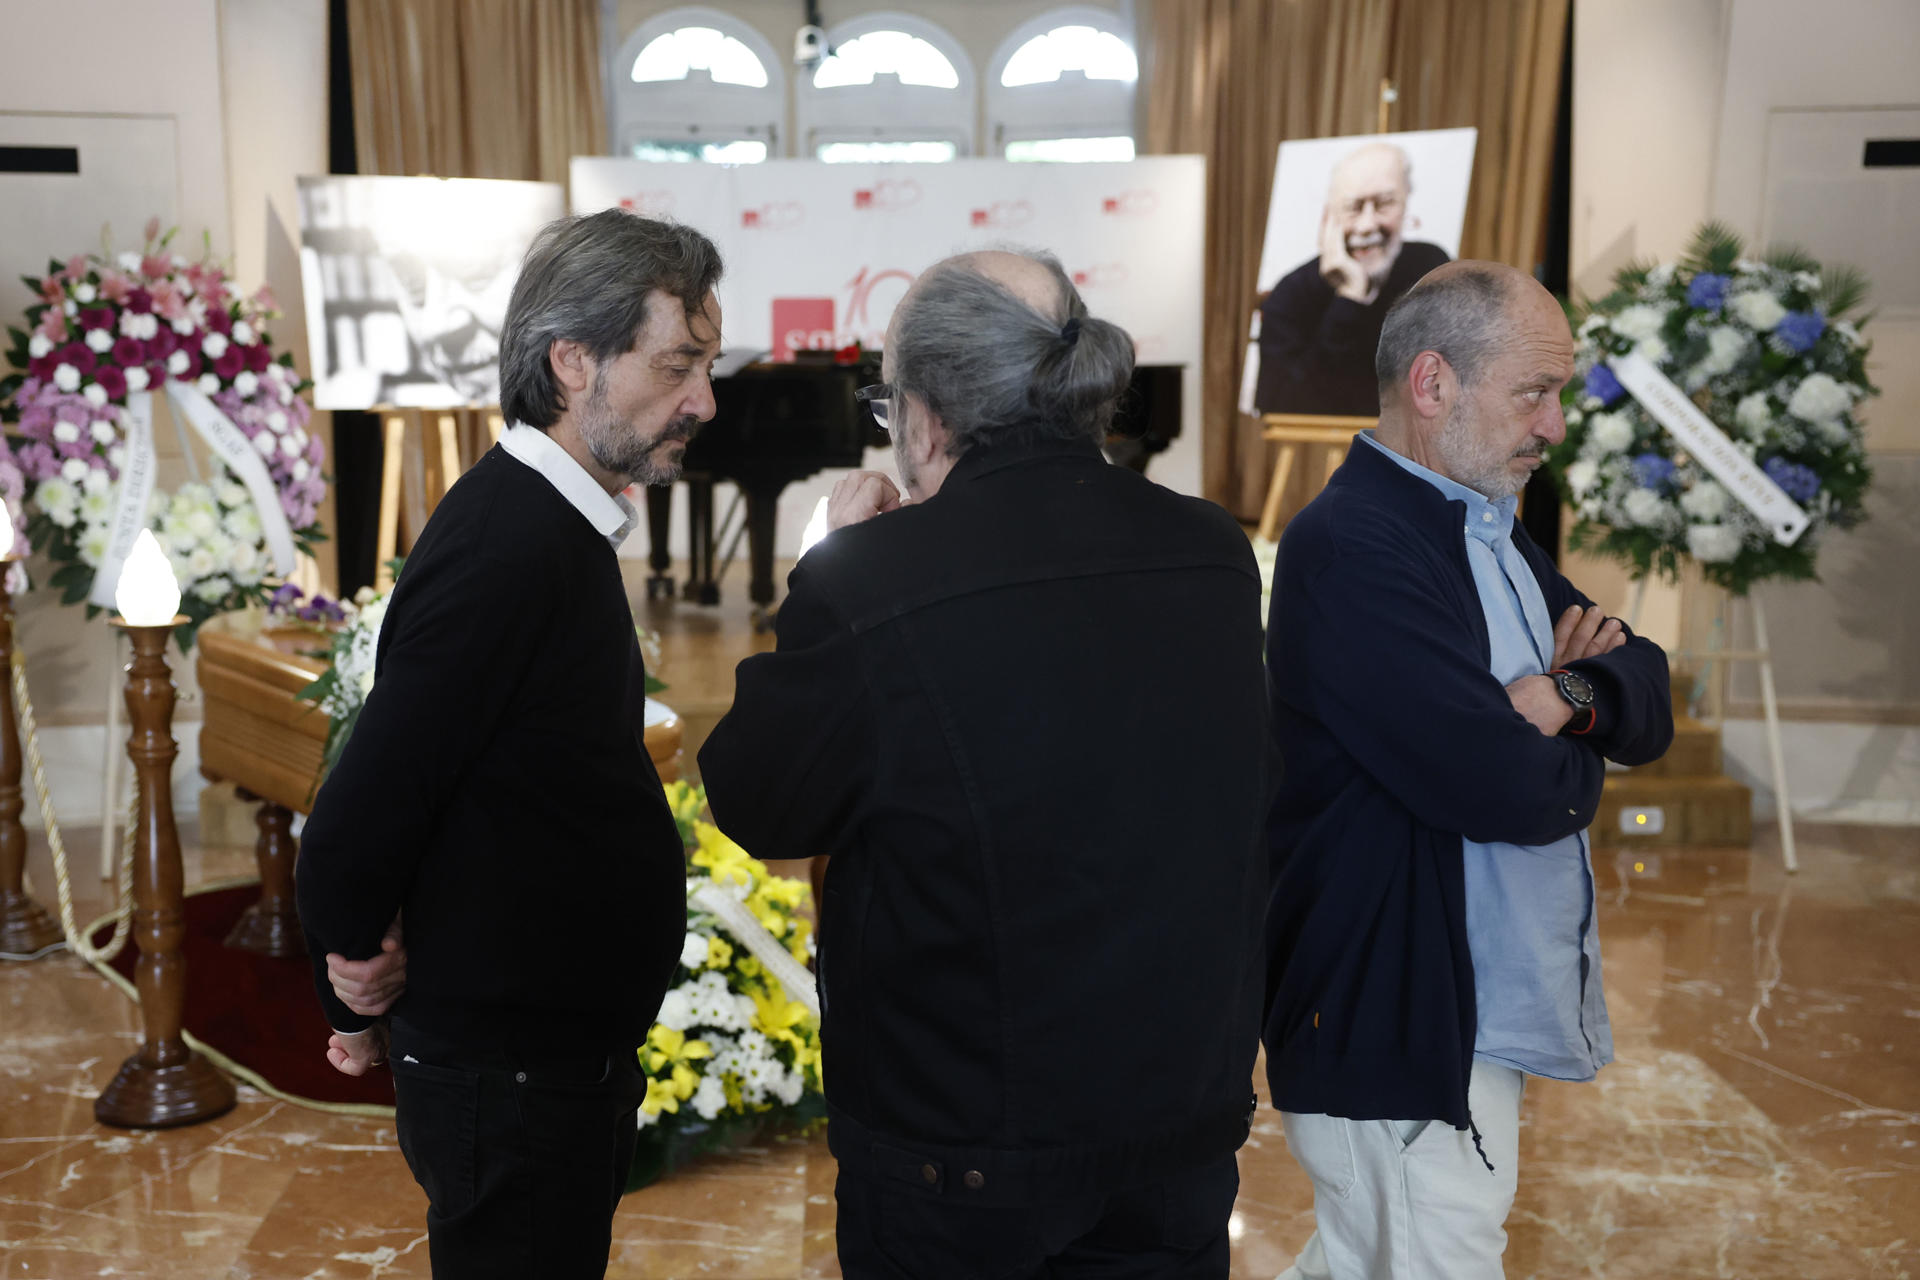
(1445, 703)
(1018, 697)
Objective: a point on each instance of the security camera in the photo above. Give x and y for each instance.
(809, 47)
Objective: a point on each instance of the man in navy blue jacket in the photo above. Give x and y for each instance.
(1445, 702)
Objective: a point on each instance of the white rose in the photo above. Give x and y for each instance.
(73, 470)
(202, 524)
(178, 362)
(65, 432)
(1652, 350)
(1639, 322)
(242, 332)
(39, 345)
(266, 445)
(1705, 501)
(1725, 347)
(66, 377)
(231, 493)
(243, 525)
(209, 383)
(213, 589)
(1753, 413)
(199, 563)
(214, 345)
(1819, 398)
(1582, 476)
(1644, 507)
(1609, 432)
(137, 379)
(99, 340)
(693, 951)
(1712, 543)
(96, 395)
(1757, 309)
(84, 292)
(244, 558)
(246, 382)
(101, 430)
(183, 325)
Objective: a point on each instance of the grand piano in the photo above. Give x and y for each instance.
(777, 423)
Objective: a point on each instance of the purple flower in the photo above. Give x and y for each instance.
(283, 595)
(257, 357)
(230, 364)
(113, 380)
(140, 302)
(1800, 330)
(1602, 383)
(1651, 471)
(77, 355)
(130, 351)
(96, 318)
(38, 460)
(1797, 482)
(1708, 291)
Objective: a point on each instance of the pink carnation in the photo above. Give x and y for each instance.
(113, 380)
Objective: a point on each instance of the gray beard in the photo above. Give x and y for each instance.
(640, 461)
(1476, 463)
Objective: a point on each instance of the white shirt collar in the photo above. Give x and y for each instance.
(611, 515)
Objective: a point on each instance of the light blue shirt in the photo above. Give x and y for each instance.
(1530, 908)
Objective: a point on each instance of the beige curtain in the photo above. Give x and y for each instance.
(476, 88)
(1232, 79)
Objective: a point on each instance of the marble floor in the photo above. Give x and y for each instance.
(1763, 1119)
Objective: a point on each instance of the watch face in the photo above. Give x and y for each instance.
(1577, 689)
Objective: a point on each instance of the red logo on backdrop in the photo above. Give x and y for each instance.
(1103, 275)
(1004, 213)
(1130, 204)
(820, 324)
(774, 217)
(650, 203)
(888, 195)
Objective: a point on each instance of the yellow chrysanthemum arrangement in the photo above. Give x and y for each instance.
(732, 1052)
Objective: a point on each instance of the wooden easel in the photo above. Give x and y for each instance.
(1292, 431)
(423, 451)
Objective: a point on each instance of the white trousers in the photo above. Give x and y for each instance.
(1410, 1199)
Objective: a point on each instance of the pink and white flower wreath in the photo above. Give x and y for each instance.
(103, 331)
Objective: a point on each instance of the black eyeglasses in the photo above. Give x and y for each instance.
(879, 401)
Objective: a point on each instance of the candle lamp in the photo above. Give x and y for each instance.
(25, 928)
(164, 1083)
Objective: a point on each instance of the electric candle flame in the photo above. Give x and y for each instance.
(147, 595)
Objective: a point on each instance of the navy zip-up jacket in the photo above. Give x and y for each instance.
(1397, 741)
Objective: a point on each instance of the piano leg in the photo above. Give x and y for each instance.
(701, 587)
(271, 926)
(763, 510)
(659, 537)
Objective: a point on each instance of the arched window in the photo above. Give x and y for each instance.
(895, 88)
(697, 84)
(1061, 88)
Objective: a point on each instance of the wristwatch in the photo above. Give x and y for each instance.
(1578, 691)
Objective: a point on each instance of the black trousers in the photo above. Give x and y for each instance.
(523, 1162)
(891, 1229)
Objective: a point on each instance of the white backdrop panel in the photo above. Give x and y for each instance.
(832, 248)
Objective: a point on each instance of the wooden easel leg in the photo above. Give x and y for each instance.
(449, 455)
(1335, 456)
(387, 546)
(1276, 491)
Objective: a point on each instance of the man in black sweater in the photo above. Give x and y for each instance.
(1023, 709)
(497, 789)
(1321, 322)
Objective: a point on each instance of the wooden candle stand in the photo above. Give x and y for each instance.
(165, 1083)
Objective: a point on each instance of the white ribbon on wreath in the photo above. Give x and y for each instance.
(763, 946)
(228, 443)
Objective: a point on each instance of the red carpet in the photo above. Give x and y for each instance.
(261, 1014)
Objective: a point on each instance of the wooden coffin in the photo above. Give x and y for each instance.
(256, 734)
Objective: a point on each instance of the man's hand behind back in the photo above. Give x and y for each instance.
(371, 986)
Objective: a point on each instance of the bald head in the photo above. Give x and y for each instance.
(1457, 310)
(1377, 165)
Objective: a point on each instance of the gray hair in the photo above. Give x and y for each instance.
(1456, 315)
(997, 370)
(586, 279)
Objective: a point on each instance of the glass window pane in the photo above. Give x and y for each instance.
(922, 152)
(732, 151)
(1071, 149)
(727, 60)
(1096, 54)
(896, 53)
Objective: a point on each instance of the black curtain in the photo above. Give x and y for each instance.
(356, 436)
